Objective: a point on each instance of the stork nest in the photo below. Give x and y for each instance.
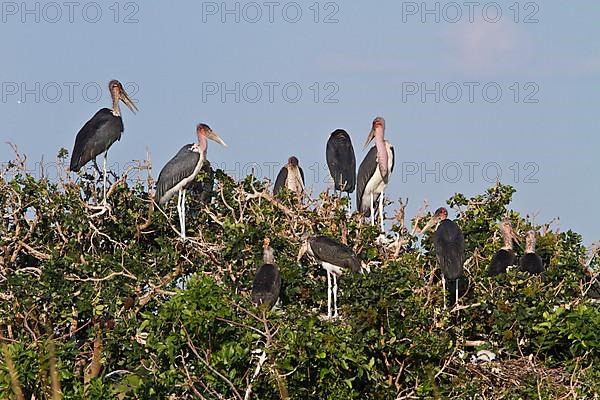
(503, 374)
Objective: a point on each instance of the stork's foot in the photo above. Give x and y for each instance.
(324, 317)
(101, 209)
(384, 240)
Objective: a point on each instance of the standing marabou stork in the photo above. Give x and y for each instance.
(530, 261)
(505, 257)
(374, 173)
(267, 282)
(449, 246)
(182, 169)
(100, 132)
(335, 258)
(341, 161)
(290, 176)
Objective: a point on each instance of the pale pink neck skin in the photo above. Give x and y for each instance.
(115, 98)
(202, 142)
(506, 234)
(530, 242)
(382, 155)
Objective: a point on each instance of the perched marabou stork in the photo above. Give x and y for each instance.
(505, 257)
(374, 173)
(335, 258)
(449, 246)
(290, 176)
(341, 161)
(530, 261)
(267, 282)
(100, 132)
(182, 169)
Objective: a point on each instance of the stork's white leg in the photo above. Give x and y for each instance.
(104, 178)
(335, 288)
(372, 211)
(328, 294)
(183, 212)
(180, 214)
(381, 212)
(456, 298)
(444, 289)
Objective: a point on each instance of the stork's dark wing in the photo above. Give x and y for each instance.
(266, 285)
(502, 259)
(95, 137)
(333, 252)
(449, 246)
(280, 181)
(365, 172)
(302, 176)
(393, 159)
(178, 168)
(532, 263)
(341, 161)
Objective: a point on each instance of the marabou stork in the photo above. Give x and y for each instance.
(182, 169)
(449, 246)
(505, 257)
(100, 132)
(267, 282)
(374, 173)
(335, 258)
(290, 176)
(530, 261)
(341, 161)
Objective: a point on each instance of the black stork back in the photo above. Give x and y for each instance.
(266, 286)
(502, 259)
(341, 161)
(449, 246)
(333, 252)
(532, 263)
(95, 137)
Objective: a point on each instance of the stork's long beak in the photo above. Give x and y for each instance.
(428, 225)
(124, 97)
(214, 136)
(514, 236)
(303, 250)
(370, 137)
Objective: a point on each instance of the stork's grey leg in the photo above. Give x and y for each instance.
(372, 211)
(335, 288)
(381, 211)
(328, 294)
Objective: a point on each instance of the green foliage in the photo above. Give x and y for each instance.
(121, 308)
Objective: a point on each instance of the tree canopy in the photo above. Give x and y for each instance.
(114, 305)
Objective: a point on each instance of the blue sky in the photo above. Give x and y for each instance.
(466, 93)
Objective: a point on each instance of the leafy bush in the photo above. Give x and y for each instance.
(113, 305)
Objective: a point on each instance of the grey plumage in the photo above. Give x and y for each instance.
(178, 168)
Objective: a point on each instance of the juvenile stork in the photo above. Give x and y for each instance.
(505, 257)
(290, 176)
(374, 173)
(101, 131)
(182, 169)
(335, 258)
(267, 282)
(449, 245)
(530, 261)
(341, 161)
